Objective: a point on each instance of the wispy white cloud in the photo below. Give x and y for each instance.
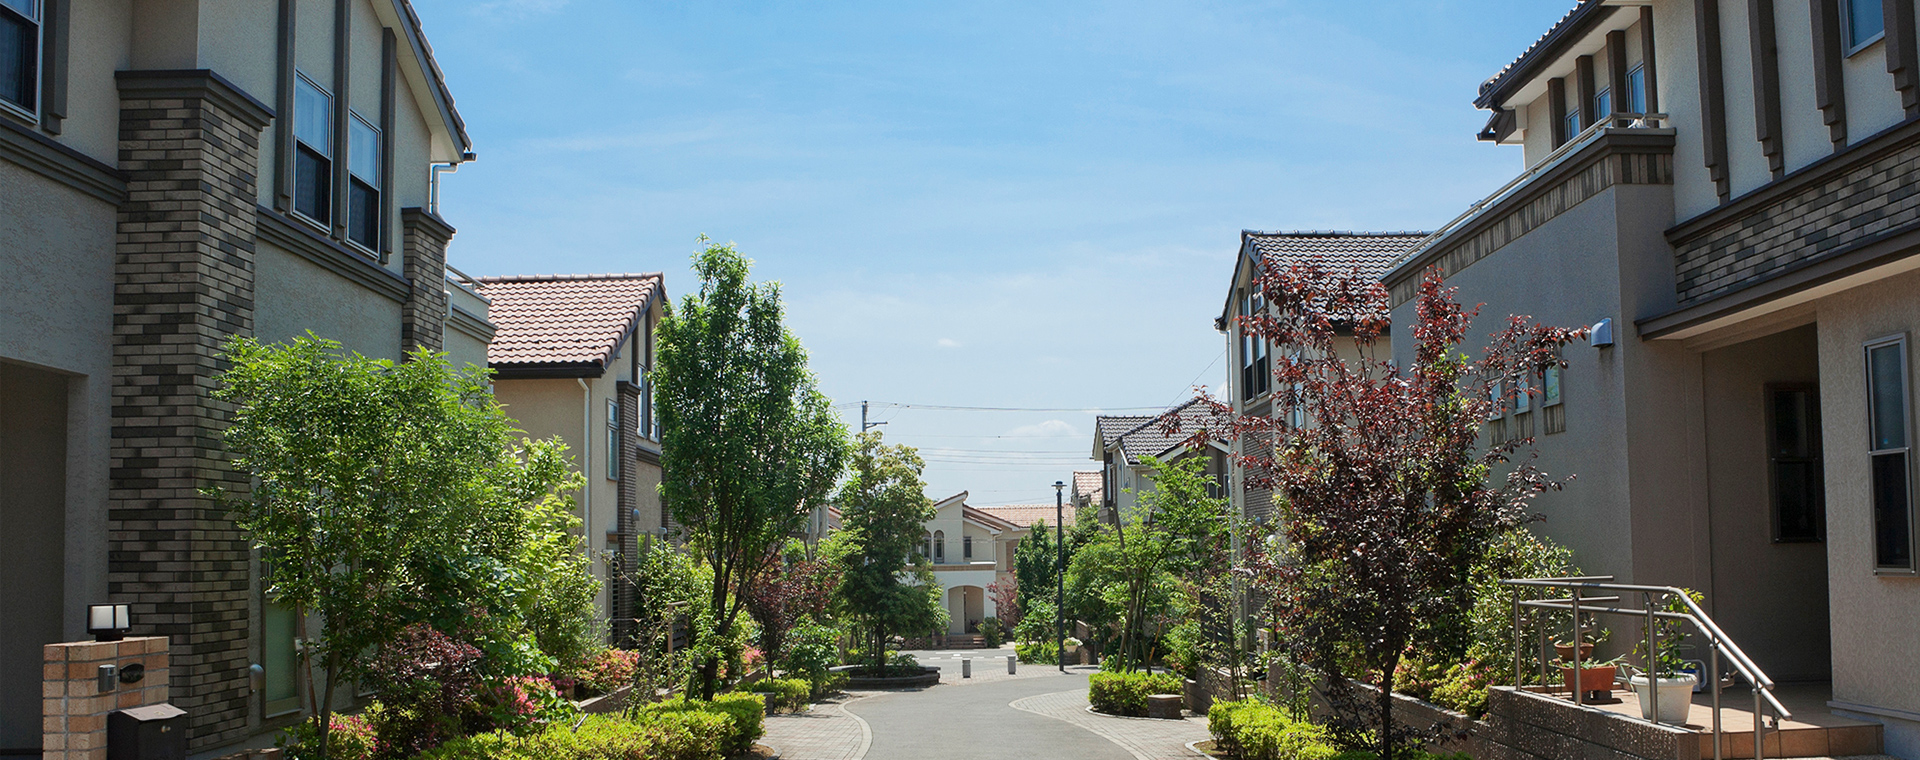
(947, 343)
(518, 8)
(1048, 429)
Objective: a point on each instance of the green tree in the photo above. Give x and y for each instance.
(391, 494)
(887, 588)
(1036, 571)
(748, 444)
(1170, 535)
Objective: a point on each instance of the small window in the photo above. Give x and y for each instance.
(1603, 105)
(966, 547)
(939, 547)
(1573, 124)
(313, 150)
(1862, 22)
(1553, 414)
(615, 452)
(20, 54)
(1887, 430)
(1637, 89)
(363, 185)
(1794, 470)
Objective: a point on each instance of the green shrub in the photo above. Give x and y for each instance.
(833, 683)
(1126, 693)
(1037, 652)
(744, 714)
(991, 632)
(1254, 729)
(784, 693)
(681, 736)
(691, 735)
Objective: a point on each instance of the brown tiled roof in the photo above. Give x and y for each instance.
(1373, 253)
(563, 319)
(1088, 483)
(1025, 515)
(990, 519)
(1149, 439)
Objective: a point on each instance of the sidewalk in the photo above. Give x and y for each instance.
(826, 732)
(1144, 738)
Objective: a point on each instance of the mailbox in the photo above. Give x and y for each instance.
(154, 732)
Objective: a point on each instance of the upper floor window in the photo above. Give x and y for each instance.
(1637, 89)
(1603, 104)
(1254, 373)
(313, 150)
(614, 453)
(939, 547)
(1889, 451)
(966, 547)
(1862, 22)
(363, 186)
(20, 54)
(1573, 123)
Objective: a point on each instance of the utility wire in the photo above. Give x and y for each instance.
(947, 408)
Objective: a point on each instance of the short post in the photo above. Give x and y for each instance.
(966, 667)
(1653, 659)
(1010, 663)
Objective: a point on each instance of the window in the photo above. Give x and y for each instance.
(1254, 374)
(363, 183)
(1637, 89)
(614, 452)
(939, 547)
(20, 54)
(1888, 449)
(1603, 105)
(1573, 124)
(1862, 22)
(1496, 425)
(1793, 463)
(1553, 414)
(313, 150)
(966, 547)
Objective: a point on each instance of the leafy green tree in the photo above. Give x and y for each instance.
(748, 444)
(391, 494)
(1170, 535)
(1036, 573)
(886, 588)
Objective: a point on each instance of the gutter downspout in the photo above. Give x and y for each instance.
(586, 458)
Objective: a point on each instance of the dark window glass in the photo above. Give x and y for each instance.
(1865, 21)
(19, 53)
(1637, 89)
(1887, 365)
(363, 214)
(1798, 485)
(313, 151)
(363, 172)
(1892, 531)
(312, 189)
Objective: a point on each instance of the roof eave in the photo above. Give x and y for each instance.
(1546, 50)
(546, 370)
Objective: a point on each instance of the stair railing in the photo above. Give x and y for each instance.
(1653, 603)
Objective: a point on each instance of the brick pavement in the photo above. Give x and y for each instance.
(826, 732)
(1144, 738)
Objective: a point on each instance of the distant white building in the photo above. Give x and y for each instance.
(973, 548)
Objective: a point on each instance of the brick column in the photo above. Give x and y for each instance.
(74, 712)
(423, 317)
(625, 596)
(183, 286)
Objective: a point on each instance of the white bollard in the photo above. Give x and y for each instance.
(966, 668)
(1010, 662)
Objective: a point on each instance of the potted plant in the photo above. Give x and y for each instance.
(1666, 669)
(1588, 633)
(1594, 681)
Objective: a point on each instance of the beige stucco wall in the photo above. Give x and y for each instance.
(1876, 644)
(297, 296)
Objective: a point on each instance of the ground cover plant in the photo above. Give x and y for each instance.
(1125, 693)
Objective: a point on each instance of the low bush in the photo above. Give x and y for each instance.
(1037, 652)
(352, 738)
(1254, 729)
(784, 694)
(691, 735)
(991, 632)
(744, 714)
(608, 669)
(832, 683)
(1126, 693)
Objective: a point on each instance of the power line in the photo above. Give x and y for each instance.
(949, 408)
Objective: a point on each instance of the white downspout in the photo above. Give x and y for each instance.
(586, 461)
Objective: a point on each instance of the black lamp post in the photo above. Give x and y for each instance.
(1060, 566)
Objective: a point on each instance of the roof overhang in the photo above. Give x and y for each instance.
(553, 370)
(1895, 252)
(1582, 32)
(450, 143)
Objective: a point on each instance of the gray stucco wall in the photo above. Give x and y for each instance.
(295, 296)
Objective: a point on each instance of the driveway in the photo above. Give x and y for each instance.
(963, 721)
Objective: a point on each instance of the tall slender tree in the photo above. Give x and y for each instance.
(888, 588)
(748, 444)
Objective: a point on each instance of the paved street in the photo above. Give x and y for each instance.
(1036, 713)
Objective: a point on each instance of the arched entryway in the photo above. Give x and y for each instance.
(966, 606)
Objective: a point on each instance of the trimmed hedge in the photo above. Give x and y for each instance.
(1255, 729)
(784, 693)
(691, 735)
(1126, 693)
(744, 713)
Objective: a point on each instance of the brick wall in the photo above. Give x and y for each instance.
(183, 285)
(74, 708)
(423, 316)
(628, 501)
(1878, 193)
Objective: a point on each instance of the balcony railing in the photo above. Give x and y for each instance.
(1588, 136)
(465, 282)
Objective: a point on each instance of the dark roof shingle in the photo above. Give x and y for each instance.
(1373, 253)
(563, 319)
(1149, 439)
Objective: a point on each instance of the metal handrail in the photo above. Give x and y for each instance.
(1573, 145)
(465, 282)
(1719, 644)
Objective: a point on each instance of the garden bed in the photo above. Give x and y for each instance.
(927, 676)
(610, 702)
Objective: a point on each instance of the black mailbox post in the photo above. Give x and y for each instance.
(154, 732)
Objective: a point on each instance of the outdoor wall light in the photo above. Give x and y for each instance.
(109, 622)
(1601, 334)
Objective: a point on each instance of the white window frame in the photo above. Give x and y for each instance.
(1573, 125)
(1906, 379)
(39, 21)
(332, 154)
(379, 222)
(1600, 113)
(614, 454)
(1637, 88)
(1846, 30)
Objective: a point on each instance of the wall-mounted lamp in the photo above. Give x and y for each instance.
(1601, 334)
(109, 622)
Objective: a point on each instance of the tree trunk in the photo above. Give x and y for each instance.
(326, 704)
(1386, 708)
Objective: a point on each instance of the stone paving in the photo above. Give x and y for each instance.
(826, 732)
(1144, 738)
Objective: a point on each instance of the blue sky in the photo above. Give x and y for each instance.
(995, 204)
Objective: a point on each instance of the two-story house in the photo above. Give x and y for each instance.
(173, 175)
(1128, 447)
(1727, 191)
(1250, 373)
(573, 358)
(971, 548)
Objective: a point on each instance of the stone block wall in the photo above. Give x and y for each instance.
(1861, 198)
(423, 317)
(183, 286)
(627, 556)
(74, 708)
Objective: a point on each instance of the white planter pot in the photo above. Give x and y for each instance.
(1676, 698)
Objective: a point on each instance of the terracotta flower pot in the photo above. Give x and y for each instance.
(1591, 681)
(1566, 651)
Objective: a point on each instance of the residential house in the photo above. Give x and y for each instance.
(1088, 489)
(1250, 377)
(1726, 191)
(174, 175)
(971, 549)
(573, 359)
(1127, 456)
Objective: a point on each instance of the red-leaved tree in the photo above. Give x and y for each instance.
(1006, 602)
(1386, 494)
(790, 591)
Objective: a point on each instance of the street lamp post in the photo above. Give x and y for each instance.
(1060, 567)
